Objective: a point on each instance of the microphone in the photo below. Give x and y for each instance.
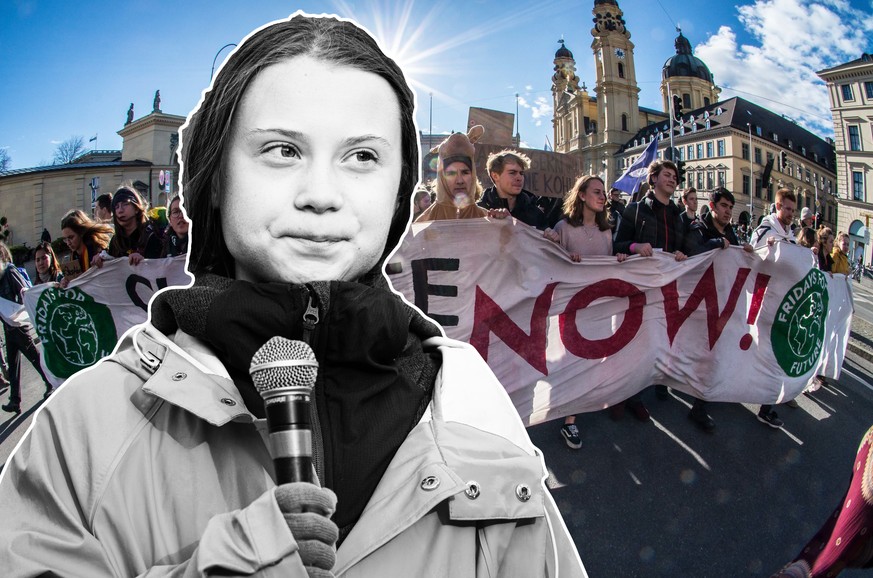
(283, 372)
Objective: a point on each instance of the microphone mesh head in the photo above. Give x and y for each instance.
(290, 364)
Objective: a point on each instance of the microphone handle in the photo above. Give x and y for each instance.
(290, 433)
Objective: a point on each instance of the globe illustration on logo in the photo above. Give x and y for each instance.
(797, 336)
(76, 331)
(71, 329)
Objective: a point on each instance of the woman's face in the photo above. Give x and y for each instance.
(71, 238)
(311, 173)
(177, 219)
(423, 202)
(844, 245)
(43, 260)
(829, 244)
(594, 196)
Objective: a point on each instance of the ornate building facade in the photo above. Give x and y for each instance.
(850, 88)
(723, 143)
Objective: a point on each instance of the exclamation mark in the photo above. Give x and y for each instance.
(761, 281)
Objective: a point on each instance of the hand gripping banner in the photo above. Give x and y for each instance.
(567, 338)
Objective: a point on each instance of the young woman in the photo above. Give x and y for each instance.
(20, 339)
(85, 238)
(176, 237)
(47, 269)
(155, 461)
(824, 240)
(585, 230)
(420, 201)
(840, 255)
(135, 237)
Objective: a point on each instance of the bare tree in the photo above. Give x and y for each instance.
(5, 160)
(68, 150)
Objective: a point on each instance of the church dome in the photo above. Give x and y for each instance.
(685, 63)
(562, 51)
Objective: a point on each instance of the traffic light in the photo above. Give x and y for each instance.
(783, 160)
(671, 154)
(680, 165)
(677, 107)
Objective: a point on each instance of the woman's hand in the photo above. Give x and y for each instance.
(97, 261)
(64, 282)
(552, 235)
(498, 213)
(621, 257)
(575, 257)
(643, 249)
(135, 259)
(680, 256)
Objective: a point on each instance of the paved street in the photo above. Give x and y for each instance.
(665, 499)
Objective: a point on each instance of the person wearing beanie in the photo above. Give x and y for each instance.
(807, 218)
(135, 237)
(159, 460)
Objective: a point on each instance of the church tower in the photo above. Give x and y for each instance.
(618, 106)
(689, 78)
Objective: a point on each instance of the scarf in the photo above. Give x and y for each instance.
(374, 379)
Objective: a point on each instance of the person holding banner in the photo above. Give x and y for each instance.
(506, 169)
(20, 338)
(586, 231)
(85, 239)
(135, 237)
(176, 236)
(47, 268)
(156, 460)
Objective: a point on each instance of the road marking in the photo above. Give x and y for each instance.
(682, 444)
(860, 379)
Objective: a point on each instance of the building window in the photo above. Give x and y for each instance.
(700, 150)
(746, 185)
(680, 153)
(758, 131)
(686, 101)
(624, 122)
(868, 89)
(710, 181)
(790, 145)
(807, 176)
(757, 188)
(854, 138)
(769, 156)
(690, 151)
(705, 101)
(620, 70)
(847, 92)
(745, 151)
(757, 155)
(709, 149)
(721, 178)
(699, 179)
(858, 185)
(775, 137)
(720, 147)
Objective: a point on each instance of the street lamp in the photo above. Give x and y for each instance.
(751, 177)
(211, 72)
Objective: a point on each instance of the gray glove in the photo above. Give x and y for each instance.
(307, 510)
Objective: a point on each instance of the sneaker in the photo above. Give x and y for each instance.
(11, 407)
(661, 392)
(639, 410)
(770, 419)
(792, 403)
(702, 420)
(571, 436)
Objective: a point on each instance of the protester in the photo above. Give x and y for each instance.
(806, 237)
(153, 461)
(420, 201)
(20, 339)
(135, 236)
(103, 208)
(714, 230)
(840, 255)
(176, 237)
(665, 231)
(775, 227)
(615, 207)
(457, 188)
(585, 231)
(506, 169)
(689, 201)
(85, 239)
(47, 268)
(807, 218)
(824, 242)
(846, 538)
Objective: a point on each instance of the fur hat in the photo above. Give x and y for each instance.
(457, 148)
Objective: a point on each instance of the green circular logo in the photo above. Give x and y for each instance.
(76, 331)
(798, 330)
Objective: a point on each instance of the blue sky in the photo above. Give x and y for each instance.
(74, 68)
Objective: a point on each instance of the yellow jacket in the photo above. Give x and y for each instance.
(841, 262)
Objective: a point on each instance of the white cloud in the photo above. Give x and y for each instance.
(539, 109)
(792, 40)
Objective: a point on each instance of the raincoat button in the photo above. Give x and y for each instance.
(179, 376)
(472, 490)
(430, 483)
(228, 401)
(522, 492)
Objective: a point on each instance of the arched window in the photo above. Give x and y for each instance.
(624, 122)
(705, 101)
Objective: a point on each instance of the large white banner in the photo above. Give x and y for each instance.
(568, 337)
(81, 324)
